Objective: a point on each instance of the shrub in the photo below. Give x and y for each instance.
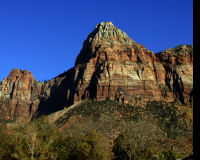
(36, 140)
(137, 142)
(91, 146)
(170, 155)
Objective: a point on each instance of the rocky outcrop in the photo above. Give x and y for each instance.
(113, 66)
(109, 66)
(178, 64)
(19, 95)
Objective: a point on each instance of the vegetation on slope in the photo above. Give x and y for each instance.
(103, 130)
(159, 126)
(41, 140)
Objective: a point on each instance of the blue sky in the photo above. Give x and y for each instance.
(45, 36)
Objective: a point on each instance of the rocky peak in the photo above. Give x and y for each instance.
(178, 64)
(19, 95)
(17, 74)
(105, 36)
(106, 32)
(179, 50)
(177, 55)
(18, 85)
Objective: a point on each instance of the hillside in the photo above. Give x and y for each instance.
(158, 125)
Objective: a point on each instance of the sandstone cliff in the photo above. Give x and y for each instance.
(109, 66)
(178, 65)
(19, 95)
(112, 66)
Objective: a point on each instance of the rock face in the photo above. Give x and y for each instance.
(178, 65)
(109, 66)
(115, 67)
(19, 95)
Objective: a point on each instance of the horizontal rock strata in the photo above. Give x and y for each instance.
(110, 66)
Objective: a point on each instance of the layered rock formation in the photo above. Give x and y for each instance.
(113, 66)
(19, 95)
(178, 65)
(109, 66)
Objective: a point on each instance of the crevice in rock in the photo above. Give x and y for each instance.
(92, 88)
(178, 87)
(12, 91)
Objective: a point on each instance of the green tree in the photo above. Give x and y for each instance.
(36, 140)
(137, 141)
(91, 146)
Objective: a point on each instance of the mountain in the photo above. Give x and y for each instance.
(110, 66)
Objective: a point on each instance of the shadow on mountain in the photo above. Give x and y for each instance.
(61, 94)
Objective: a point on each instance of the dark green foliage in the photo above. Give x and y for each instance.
(36, 140)
(121, 147)
(41, 140)
(91, 146)
(106, 117)
(168, 117)
(96, 109)
(170, 155)
(102, 130)
(138, 141)
(163, 124)
(3, 139)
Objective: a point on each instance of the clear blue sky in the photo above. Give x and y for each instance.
(45, 36)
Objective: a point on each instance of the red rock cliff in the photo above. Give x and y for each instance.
(113, 66)
(109, 66)
(19, 95)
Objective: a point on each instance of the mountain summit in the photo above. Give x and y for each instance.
(106, 32)
(109, 66)
(104, 35)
